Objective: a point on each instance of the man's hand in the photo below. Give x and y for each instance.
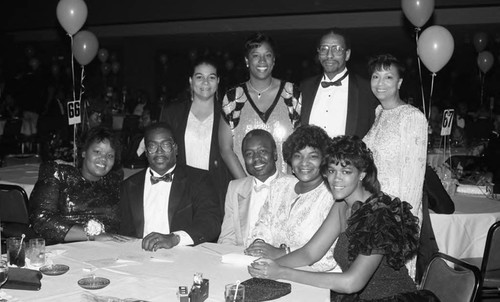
(154, 241)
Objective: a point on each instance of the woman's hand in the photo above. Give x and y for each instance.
(265, 268)
(259, 248)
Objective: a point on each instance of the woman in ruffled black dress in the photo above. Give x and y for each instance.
(76, 204)
(376, 235)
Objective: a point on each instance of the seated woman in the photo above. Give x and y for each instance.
(296, 206)
(75, 204)
(374, 242)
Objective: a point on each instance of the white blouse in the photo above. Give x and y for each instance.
(197, 140)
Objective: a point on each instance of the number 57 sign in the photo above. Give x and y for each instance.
(447, 122)
(74, 112)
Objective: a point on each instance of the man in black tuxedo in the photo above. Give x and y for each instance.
(168, 204)
(337, 101)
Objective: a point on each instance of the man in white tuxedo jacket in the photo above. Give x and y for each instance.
(246, 196)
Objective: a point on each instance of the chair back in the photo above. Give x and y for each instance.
(490, 267)
(450, 284)
(13, 204)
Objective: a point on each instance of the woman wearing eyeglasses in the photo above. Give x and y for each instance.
(262, 102)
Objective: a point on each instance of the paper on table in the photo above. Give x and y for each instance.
(238, 259)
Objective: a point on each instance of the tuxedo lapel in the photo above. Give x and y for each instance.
(308, 96)
(136, 197)
(176, 191)
(352, 106)
(244, 195)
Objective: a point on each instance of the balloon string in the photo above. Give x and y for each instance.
(74, 98)
(417, 29)
(72, 67)
(82, 87)
(430, 96)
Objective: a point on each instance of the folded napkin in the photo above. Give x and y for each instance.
(257, 289)
(22, 278)
(239, 259)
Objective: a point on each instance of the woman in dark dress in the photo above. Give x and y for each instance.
(76, 204)
(195, 124)
(376, 235)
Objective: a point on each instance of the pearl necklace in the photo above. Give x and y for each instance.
(259, 93)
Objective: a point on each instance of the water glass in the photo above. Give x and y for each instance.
(36, 252)
(16, 251)
(234, 293)
(4, 272)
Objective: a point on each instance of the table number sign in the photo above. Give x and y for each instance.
(74, 112)
(447, 122)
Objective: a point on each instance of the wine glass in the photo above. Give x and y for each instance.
(4, 272)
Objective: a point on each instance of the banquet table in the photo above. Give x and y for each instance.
(436, 157)
(148, 276)
(26, 175)
(463, 233)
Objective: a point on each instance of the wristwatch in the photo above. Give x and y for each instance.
(285, 247)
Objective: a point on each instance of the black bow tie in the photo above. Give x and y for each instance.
(338, 82)
(156, 179)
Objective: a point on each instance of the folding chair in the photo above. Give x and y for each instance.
(14, 212)
(451, 284)
(489, 263)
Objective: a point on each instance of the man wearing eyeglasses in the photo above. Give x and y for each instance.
(338, 101)
(168, 204)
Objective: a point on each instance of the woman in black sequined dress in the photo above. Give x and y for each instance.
(67, 202)
(376, 235)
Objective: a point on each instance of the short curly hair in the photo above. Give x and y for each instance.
(305, 136)
(100, 134)
(351, 150)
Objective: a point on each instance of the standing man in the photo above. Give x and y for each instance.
(246, 196)
(168, 204)
(339, 102)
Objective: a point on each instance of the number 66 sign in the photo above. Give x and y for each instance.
(74, 112)
(447, 122)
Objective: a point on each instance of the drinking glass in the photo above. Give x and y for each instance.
(36, 252)
(16, 251)
(234, 293)
(4, 272)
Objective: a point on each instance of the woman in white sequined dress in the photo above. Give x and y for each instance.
(262, 102)
(398, 136)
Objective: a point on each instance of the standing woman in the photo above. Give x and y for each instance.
(398, 137)
(261, 102)
(195, 124)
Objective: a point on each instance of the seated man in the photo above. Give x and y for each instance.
(168, 204)
(245, 196)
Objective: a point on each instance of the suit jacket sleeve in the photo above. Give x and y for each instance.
(228, 229)
(204, 208)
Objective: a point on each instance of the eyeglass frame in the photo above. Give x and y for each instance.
(330, 48)
(167, 146)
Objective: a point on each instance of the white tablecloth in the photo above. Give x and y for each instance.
(463, 233)
(27, 175)
(151, 276)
